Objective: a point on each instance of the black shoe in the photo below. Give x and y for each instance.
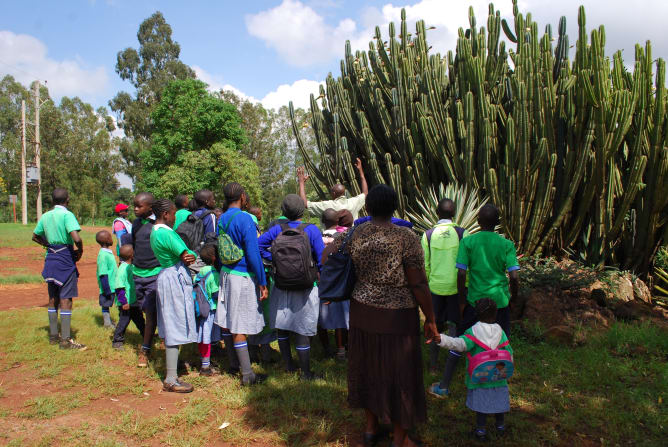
(500, 431)
(233, 371)
(54, 339)
(480, 435)
(257, 379)
(208, 371)
(118, 345)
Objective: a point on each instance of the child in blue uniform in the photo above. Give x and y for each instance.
(490, 397)
(294, 311)
(58, 231)
(106, 275)
(175, 304)
(207, 331)
(126, 298)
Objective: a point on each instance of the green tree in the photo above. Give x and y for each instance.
(196, 144)
(149, 69)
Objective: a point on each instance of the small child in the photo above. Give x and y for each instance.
(491, 397)
(126, 298)
(207, 332)
(106, 275)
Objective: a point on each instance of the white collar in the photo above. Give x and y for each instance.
(444, 221)
(157, 226)
(61, 206)
(107, 249)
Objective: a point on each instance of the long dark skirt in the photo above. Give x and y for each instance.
(385, 364)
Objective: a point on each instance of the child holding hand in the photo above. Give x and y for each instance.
(106, 274)
(207, 331)
(126, 298)
(489, 397)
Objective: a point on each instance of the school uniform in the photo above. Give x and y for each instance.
(294, 310)
(60, 271)
(239, 308)
(146, 266)
(126, 294)
(106, 276)
(175, 305)
(207, 331)
(335, 315)
(181, 216)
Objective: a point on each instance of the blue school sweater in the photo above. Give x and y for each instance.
(313, 233)
(243, 233)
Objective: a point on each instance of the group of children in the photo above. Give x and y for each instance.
(153, 286)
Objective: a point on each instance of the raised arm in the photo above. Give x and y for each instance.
(363, 185)
(302, 176)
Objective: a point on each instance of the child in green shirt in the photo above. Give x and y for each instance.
(489, 397)
(106, 275)
(207, 332)
(126, 298)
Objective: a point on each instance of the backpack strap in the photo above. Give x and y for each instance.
(227, 225)
(460, 232)
(477, 342)
(347, 239)
(428, 233)
(504, 344)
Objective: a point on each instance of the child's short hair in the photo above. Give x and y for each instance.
(125, 252)
(208, 254)
(485, 310)
(103, 238)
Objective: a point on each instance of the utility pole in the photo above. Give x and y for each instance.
(24, 189)
(37, 153)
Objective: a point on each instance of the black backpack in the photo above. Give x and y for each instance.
(294, 267)
(202, 299)
(191, 231)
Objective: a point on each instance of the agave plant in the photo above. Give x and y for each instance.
(467, 202)
(660, 272)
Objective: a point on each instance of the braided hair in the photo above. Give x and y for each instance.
(161, 206)
(233, 192)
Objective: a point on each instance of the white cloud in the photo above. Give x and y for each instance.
(25, 57)
(217, 84)
(302, 37)
(298, 92)
(298, 33)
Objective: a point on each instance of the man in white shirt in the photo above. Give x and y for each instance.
(339, 200)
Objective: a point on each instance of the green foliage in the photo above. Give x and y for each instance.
(196, 145)
(574, 153)
(77, 152)
(149, 69)
(661, 271)
(468, 203)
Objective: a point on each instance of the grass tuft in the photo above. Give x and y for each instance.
(21, 278)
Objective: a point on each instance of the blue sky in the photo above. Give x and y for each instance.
(272, 51)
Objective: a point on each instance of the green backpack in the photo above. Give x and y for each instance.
(228, 251)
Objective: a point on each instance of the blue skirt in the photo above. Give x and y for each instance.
(334, 315)
(489, 400)
(207, 331)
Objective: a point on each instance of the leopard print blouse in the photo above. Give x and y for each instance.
(380, 255)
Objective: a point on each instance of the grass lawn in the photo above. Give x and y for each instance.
(16, 235)
(609, 391)
(20, 278)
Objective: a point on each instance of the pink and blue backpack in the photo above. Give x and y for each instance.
(490, 365)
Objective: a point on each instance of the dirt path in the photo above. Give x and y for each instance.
(31, 259)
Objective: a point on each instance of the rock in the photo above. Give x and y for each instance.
(623, 288)
(599, 296)
(562, 335)
(641, 291)
(629, 311)
(594, 317)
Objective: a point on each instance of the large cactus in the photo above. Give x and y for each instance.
(574, 153)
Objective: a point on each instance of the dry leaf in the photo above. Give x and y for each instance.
(660, 399)
(114, 400)
(162, 408)
(146, 394)
(224, 425)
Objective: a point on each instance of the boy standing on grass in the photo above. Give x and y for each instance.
(145, 269)
(490, 259)
(126, 299)
(106, 275)
(440, 245)
(58, 231)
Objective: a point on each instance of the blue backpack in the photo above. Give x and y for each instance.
(202, 300)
